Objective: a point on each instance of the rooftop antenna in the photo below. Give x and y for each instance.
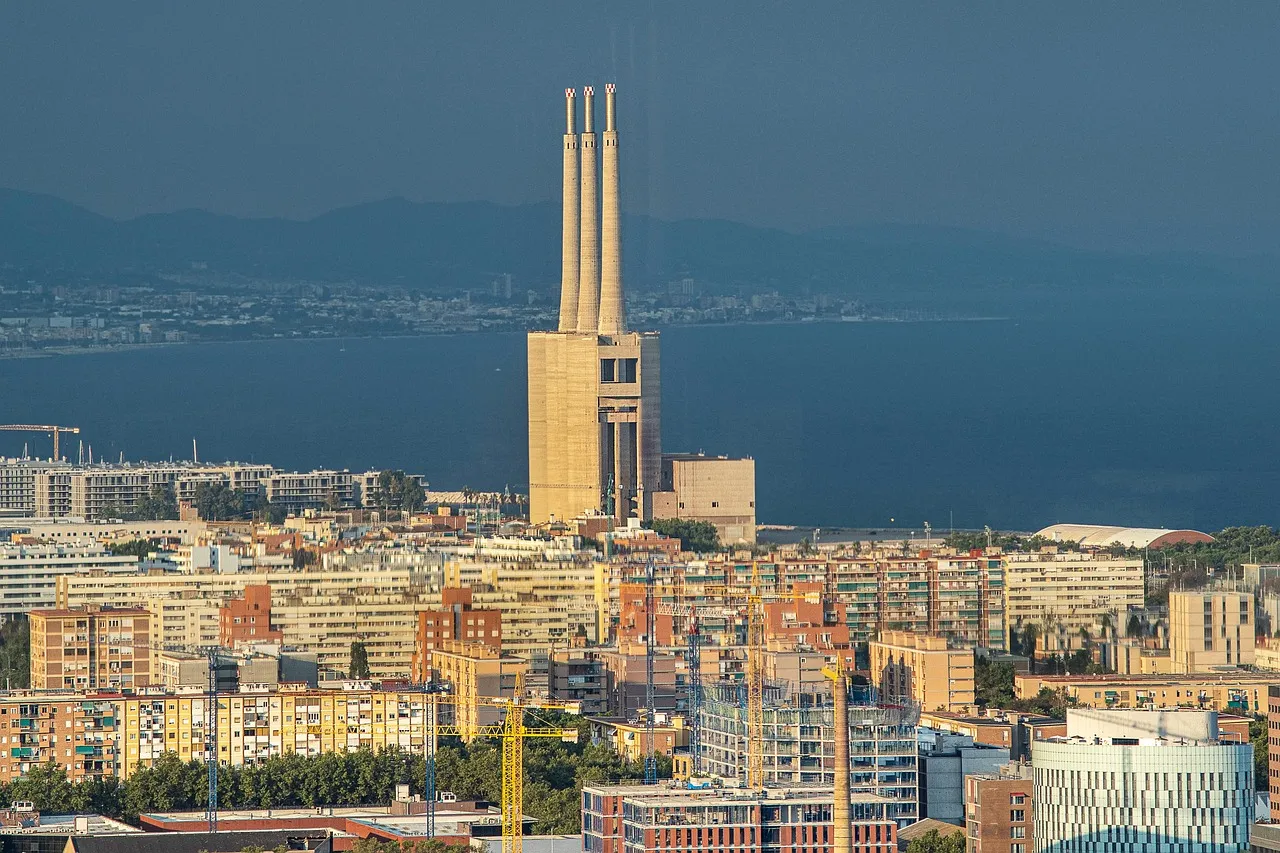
(26, 453)
(80, 458)
(195, 457)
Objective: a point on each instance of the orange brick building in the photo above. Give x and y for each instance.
(90, 649)
(248, 619)
(455, 621)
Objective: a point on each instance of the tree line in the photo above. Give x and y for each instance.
(554, 775)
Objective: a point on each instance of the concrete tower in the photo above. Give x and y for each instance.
(613, 320)
(569, 239)
(589, 241)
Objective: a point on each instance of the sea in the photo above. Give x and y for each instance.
(1135, 408)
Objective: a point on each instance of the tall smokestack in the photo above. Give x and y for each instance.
(569, 239)
(613, 319)
(589, 247)
(842, 837)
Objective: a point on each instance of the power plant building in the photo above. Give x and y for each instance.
(595, 407)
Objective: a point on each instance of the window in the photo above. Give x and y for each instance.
(1017, 799)
(1017, 816)
(1017, 832)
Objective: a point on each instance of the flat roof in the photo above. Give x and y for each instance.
(58, 824)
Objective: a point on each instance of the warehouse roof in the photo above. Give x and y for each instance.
(1100, 536)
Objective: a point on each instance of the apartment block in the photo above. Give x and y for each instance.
(186, 622)
(649, 819)
(999, 810)
(1062, 593)
(923, 670)
(29, 573)
(1239, 692)
(247, 619)
(90, 649)
(1210, 629)
(455, 620)
(77, 732)
(476, 672)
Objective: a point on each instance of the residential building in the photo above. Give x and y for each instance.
(630, 738)
(77, 732)
(477, 673)
(454, 620)
(945, 760)
(328, 624)
(578, 675)
(799, 744)
(1009, 730)
(29, 573)
(1273, 750)
(1231, 692)
(649, 819)
(185, 622)
(626, 679)
(999, 811)
(923, 670)
(299, 491)
(1065, 593)
(18, 484)
(715, 489)
(247, 619)
(90, 649)
(1210, 629)
(1142, 780)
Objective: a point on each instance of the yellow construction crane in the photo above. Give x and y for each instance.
(54, 430)
(755, 683)
(512, 732)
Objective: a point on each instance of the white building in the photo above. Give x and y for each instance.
(1139, 781)
(29, 573)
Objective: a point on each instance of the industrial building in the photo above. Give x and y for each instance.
(595, 401)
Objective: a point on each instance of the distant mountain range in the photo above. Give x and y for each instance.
(464, 245)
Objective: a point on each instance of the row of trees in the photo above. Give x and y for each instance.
(554, 775)
(698, 536)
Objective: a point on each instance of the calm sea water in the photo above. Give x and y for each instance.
(1135, 410)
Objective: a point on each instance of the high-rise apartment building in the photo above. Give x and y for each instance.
(923, 670)
(454, 621)
(1210, 629)
(594, 398)
(90, 649)
(29, 573)
(1063, 593)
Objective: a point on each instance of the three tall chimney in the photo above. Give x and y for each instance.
(591, 300)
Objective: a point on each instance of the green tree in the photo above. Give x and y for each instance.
(160, 503)
(140, 548)
(359, 661)
(993, 683)
(1261, 759)
(935, 842)
(15, 653)
(219, 502)
(698, 536)
(1134, 627)
(398, 491)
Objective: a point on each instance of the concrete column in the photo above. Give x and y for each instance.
(589, 245)
(569, 239)
(612, 309)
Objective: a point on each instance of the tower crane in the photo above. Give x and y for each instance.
(56, 431)
(512, 732)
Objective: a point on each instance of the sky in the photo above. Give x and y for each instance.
(1133, 127)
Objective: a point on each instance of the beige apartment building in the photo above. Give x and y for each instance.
(328, 625)
(184, 622)
(1210, 630)
(90, 649)
(922, 670)
(477, 673)
(1063, 592)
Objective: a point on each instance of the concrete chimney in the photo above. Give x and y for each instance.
(569, 239)
(842, 836)
(589, 242)
(613, 319)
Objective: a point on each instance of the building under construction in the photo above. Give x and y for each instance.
(799, 744)
(672, 816)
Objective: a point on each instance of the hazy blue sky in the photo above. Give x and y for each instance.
(1132, 126)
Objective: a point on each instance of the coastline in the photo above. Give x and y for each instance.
(59, 351)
